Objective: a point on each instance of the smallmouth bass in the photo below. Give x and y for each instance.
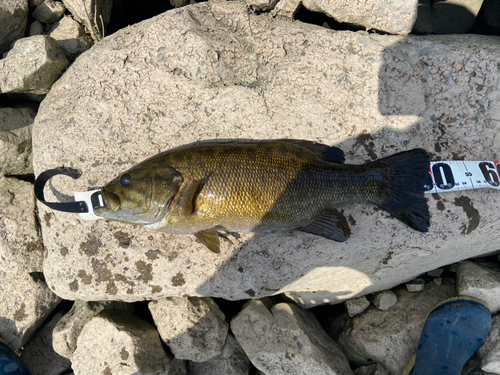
(210, 187)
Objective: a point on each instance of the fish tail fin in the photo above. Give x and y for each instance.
(403, 195)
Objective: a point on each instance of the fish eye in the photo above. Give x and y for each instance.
(125, 179)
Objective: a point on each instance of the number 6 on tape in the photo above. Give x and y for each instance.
(457, 175)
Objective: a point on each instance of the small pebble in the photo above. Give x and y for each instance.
(385, 300)
(356, 306)
(416, 285)
(438, 280)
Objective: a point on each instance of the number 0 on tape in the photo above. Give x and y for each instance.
(457, 175)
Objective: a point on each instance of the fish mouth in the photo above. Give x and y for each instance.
(111, 200)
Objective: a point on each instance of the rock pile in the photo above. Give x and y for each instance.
(240, 70)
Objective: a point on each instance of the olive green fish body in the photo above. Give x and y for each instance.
(260, 186)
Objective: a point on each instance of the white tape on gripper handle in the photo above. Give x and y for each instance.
(455, 175)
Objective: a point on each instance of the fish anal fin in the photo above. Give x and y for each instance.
(331, 224)
(330, 154)
(209, 238)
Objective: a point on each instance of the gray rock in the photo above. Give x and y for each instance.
(177, 367)
(286, 8)
(14, 19)
(31, 66)
(231, 361)
(388, 337)
(36, 28)
(481, 281)
(371, 95)
(179, 3)
(261, 5)
(356, 306)
(25, 300)
(473, 367)
(93, 14)
(416, 285)
(16, 156)
(286, 339)
(435, 273)
(34, 3)
(117, 342)
(395, 17)
(488, 19)
(375, 369)
(307, 300)
(193, 328)
(437, 281)
(70, 37)
(38, 354)
(68, 329)
(489, 351)
(454, 16)
(385, 300)
(49, 11)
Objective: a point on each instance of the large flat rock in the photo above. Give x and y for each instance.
(214, 71)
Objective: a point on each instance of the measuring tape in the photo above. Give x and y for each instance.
(445, 176)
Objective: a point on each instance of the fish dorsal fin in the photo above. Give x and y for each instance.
(209, 238)
(330, 154)
(331, 224)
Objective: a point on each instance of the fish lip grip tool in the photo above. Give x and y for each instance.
(85, 202)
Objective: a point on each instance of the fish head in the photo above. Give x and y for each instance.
(140, 195)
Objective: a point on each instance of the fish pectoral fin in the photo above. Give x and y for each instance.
(331, 224)
(185, 203)
(209, 238)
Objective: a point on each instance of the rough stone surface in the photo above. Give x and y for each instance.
(93, 14)
(375, 369)
(454, 16)
(286, 339)
(416, 285)
(25, 299)
(16, 156)
(231, 361)
(117, 342)
(385, 300)
(39, 355)
(14, 19)
(388, 337)
(36, 28)
(31, 66)
(68, 329)
(49, 11)
(391, 16)
(435, 273)
(356, 306)
(70, 37)
(193, 328)
(177, 367)
(261, 5)
(220, 72)
(473, 367)
(481, 281)
(489, 351)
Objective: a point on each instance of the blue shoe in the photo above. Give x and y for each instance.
(10, 363)
(452, 333)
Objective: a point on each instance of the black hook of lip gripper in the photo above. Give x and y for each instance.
(42, 179)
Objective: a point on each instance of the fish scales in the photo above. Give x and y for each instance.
(264, 188)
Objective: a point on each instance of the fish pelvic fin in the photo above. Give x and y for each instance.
(403, 194)
(209, 238)
(331, 224)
